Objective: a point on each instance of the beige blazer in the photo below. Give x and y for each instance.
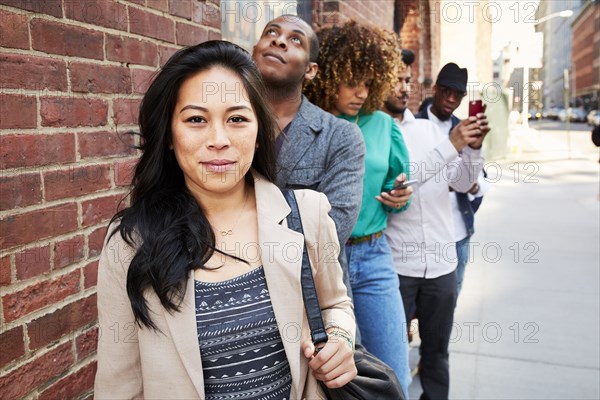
(137, 362)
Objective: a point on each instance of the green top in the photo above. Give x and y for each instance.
(385, 159)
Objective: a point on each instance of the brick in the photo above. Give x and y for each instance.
(38, 296)
(181, 8)
(124, 170)
(90, 275)
(57, 38)
(86, 343)
(18, 111)
(14, 31)
(98, 12)
(100, 210)
(68, 251)
(126, 111)
(165, 53)
(96, 241)
(17, 70)
(188, 34)
(27, 377)
(5, 274)
(130, 50)
(73, 385)
(103, 144)
(73, 111)
(12, 345)
(51, 327)
(32, 262)
(214, 35)
(36, 150)
(20, 190)
(161, 5)
(207, 15)
(49, 7)
(331, 6)
(32, 226)
(141, 79)
(149, 24)
(76, 181)
(94, 78)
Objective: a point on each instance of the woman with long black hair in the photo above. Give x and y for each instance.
(199, 290)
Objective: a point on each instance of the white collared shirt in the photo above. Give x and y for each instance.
(422, 237)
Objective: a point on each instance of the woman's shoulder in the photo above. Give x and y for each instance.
(379, 116)
(377, 120)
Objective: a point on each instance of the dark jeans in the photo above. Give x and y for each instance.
(434, 300)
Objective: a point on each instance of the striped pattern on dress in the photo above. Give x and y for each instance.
(240, 346)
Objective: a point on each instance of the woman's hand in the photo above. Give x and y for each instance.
(333, 364)
(396, 198)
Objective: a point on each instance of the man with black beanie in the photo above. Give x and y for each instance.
(449, 90)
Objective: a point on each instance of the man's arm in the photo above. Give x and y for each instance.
(342, 181)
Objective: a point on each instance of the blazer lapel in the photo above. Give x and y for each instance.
(301, 133)
(282, 261)
(184, 333)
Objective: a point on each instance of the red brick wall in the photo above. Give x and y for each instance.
(415, 35)
(377, 12)
(585, 53)
(72, 76)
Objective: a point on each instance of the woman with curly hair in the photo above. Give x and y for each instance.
(357, 67)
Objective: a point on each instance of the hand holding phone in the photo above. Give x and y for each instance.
(403, 184)
(475, 107)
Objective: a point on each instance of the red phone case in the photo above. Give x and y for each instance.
(475, 107)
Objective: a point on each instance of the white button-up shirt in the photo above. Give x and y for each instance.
(422, 237)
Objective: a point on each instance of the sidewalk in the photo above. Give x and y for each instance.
(527, 322)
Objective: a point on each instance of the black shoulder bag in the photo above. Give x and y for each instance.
(375, 380)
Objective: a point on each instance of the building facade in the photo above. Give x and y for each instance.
(586, 56)
(557, 50)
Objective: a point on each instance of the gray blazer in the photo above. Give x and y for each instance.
(326, 154)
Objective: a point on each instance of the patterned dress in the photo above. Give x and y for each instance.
(241, 350)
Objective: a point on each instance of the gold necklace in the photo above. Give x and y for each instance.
(229, 232)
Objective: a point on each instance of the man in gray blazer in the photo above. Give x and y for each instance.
(315, 149)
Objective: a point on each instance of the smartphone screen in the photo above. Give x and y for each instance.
(475, 107)
(404, 184)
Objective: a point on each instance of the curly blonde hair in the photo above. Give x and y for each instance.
(350, 54)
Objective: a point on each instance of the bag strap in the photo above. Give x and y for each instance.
(309, 292)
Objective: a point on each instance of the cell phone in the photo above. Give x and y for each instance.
(475, 107)
(404, 184)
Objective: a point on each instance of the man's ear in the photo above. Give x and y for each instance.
(311, 71)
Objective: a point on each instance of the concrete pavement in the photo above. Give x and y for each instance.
(527, 323)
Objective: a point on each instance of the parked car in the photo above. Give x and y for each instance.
(593, 118)
(578, 115)
(551, 113)
(534, 114)
(573, 114)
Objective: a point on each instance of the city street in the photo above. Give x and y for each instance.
(527, 321)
